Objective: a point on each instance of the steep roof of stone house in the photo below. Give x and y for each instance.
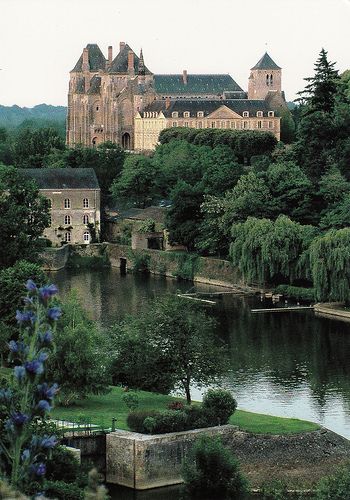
(266, 62)
(63, 178)
(96, 59)
(120, 62)
(208, 106)
(195, 84)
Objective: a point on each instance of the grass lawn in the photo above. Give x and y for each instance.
(101, 410)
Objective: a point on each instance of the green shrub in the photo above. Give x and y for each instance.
(210, 471)
(141, 262)
(274, 490)
(169, 421)
(220, 403)
(63, 491)
(187, 265)
(198, 418)
(336, 487)
(147, 226)
(62, 466)
(88, 262)
(296, 292)
(131, 400)
(135, 419)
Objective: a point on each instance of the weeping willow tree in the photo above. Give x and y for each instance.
(330, 265)
(265, 250)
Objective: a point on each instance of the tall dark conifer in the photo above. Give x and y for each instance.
(320, 91)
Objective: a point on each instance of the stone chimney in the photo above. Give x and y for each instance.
(167, 102)
(110, 55)
(131, 70)
(121, 46)
(184, 76)
(85, 65)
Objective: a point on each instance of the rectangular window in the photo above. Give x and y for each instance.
(199, 125)
(185, 124)
(270, 124)
(212, 124)
(245, 124)
(259, 124)
(174, 124)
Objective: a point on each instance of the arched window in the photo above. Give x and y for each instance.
(259, 113)
(48, 203)
(67, 237)
(271, 79)
(86, 237)
(267, 80)
(85, 219)
(67, 220)
(67, 203)
(85, 203)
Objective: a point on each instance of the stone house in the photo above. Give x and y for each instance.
(108, 98)
(73, 195)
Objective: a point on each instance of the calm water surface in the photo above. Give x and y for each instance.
(286, 364)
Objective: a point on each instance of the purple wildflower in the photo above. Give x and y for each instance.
(17, 347)
(43, 406)
(20, 372)
(34, 367)
(25, 317)
(31, 286)
(46, 392)
(46, 292)
(43, 357)
(54, 313)
(46, 338)
(38, 469)
(44, 442)
(19, 419)
(5, 395)
(25, 454)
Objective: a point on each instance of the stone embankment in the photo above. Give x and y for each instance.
(142, 461)
(332, 309)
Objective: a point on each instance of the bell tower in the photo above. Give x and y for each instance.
(265, 77)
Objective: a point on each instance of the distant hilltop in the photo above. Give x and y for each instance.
(13, 116)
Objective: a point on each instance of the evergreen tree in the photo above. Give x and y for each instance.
(319, 93)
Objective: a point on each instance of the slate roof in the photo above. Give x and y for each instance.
(266, 63)
(155, 213)
(196, 84)
(120, 62)
(96, 59)
(62, 178)
(208, 106)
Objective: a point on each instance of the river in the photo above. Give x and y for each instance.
(288, 364)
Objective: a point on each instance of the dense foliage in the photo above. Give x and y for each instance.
(210, 471)
(172, 346)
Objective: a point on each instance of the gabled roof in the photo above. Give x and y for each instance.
(96, 59)
(196, 84)
(120, 62)
(266, 63)
(208, 106)
(62, 178)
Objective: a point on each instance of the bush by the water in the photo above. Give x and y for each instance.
(210, 471)
(296, 292)
(62, 466)
(220, 403)
(336, 487)
(217, 407)
(63, 491)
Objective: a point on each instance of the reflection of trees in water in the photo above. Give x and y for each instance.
(291, 349)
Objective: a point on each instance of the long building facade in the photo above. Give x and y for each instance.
(120, 100)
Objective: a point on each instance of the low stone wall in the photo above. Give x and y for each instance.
(332, 309)
(148, 461)
(55, 258)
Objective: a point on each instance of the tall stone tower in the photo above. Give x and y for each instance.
(265, 78)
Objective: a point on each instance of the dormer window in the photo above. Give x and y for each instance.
(175, 114)
(271, 113)
(186, 114)
(259, 114)
(200, 114)
(245, 114)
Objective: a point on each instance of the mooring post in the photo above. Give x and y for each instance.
(113, 424)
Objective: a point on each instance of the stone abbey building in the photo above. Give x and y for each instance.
(120, 100)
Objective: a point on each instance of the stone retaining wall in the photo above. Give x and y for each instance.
(148, 461)
(55, 258)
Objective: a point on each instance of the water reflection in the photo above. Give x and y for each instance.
(288, 364)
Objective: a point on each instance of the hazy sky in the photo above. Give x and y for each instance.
(40, 40)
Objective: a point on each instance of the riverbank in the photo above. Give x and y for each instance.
(100, 409)
(297, 452)
(334, 310)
